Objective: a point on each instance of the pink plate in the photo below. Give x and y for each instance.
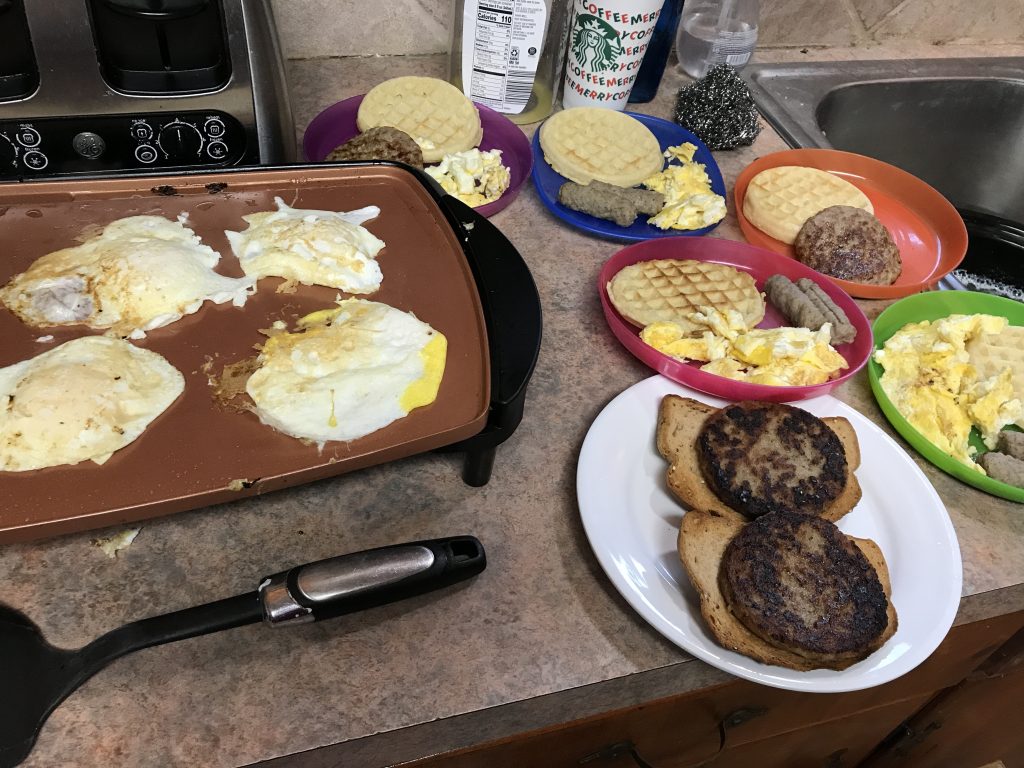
(761, 264)
(337, 124)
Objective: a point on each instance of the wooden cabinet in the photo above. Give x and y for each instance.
(977, 722)
(741, 724)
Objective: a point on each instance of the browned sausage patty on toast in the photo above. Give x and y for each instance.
(800, 583)
(768, 457)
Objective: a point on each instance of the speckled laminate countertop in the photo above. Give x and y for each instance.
(541, 637)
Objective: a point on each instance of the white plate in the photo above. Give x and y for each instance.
(632, 521)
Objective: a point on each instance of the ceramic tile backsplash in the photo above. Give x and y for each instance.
(808, 22)
(324, 28)
(943, 21)
(328, 28)
(873, 11)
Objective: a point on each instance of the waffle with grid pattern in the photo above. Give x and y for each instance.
(671, 289)
(587, 144)
(779, 200)
(435, 113)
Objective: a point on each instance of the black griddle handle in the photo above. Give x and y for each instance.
(356, 582)
(512, 311)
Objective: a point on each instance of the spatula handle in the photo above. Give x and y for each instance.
(367, 579)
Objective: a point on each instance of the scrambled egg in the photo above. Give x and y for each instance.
(929, 378)
(689, 201)
(773, 356)
(474, 177)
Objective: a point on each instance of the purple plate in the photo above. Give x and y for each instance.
(337, 124)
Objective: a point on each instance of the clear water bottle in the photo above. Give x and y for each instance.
(716, 32)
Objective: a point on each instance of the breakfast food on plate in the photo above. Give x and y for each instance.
(690, 203)
(84, 399)
(585, 144)
(347, 371)
(139, 273)
(850, 244)
(753, 458)
(474, 177)
(672, 289)
(610, 202)
(781, 357)
(930, 378)
(1004, 468)
(435, 113)
(807, 305)
(788, 589)
(1011, 443)
(991, 353)
(380, 143)
(311, 247)
(779, 200)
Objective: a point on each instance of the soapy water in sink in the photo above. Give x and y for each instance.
(995, 256)
(986, 284)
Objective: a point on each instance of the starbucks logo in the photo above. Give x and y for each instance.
(595, 43)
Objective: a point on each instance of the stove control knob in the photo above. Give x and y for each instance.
(180, 141)
(8, 154)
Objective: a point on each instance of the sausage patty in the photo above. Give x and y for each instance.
(381, 143)
(849, 243)
(768, 457)
(800, 583)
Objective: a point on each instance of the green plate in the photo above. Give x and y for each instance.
(933, 305)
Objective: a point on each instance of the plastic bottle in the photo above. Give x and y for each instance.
(649, 77)
(716, 32)
(508, 54)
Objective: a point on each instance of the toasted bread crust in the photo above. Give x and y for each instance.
(703, 538)
(680, 420)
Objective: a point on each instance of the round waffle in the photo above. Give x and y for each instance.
(433, 112)
(670, 289)
(588, 143)
(779, 200)
(991, 353)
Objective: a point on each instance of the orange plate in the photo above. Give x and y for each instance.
(929, 233)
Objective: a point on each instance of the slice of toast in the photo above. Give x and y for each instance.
(679, 422)
(703, 537)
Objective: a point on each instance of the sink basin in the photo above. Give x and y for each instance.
(958, 124)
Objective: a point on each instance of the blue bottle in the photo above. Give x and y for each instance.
(653, 66)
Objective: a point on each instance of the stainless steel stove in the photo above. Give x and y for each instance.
(126, 86)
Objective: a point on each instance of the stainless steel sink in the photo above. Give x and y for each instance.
(956, 123)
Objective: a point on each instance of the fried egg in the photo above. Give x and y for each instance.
(140, 273)
(311, 247)
(347, 371)
(84, 399)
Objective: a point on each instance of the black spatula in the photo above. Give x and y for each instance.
(35, 677)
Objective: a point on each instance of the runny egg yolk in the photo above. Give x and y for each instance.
(423, 391)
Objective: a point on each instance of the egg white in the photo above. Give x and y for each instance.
(140, 273)
(311, 247)
(347, 372)
(81, 400)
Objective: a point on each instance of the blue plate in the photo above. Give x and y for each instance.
(548, 182)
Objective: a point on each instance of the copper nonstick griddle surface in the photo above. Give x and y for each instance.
(198, 453)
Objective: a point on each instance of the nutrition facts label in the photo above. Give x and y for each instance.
(501, 47)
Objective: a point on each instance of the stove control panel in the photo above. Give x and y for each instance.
(95, 144)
